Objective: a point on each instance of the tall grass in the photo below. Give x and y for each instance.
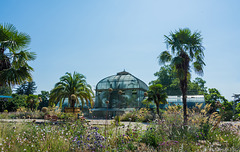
(204, 132)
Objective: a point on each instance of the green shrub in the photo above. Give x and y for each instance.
(151, 137)
(227, 115)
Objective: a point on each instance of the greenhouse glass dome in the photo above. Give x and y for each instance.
(119, 93)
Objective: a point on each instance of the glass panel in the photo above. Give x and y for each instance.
(133, 92)
(100, 100)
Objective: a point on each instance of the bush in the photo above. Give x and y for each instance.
(22, 115)
(16, 102)
(227, 115)
(141, 115)
(152, 136)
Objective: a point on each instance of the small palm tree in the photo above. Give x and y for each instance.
(157, 94)
(33, 101)
(186, 48)
(72, 87)
(14, 68)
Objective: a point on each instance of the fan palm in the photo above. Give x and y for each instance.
(157, 93)
(186, 48)
(14, 68)
(72, 87)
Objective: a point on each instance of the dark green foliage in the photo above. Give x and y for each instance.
(201, 85)
(214, 98)
(227, 115)
(14, 56)
(27, 88)
(14, 103)
(167, 76)
(44, 99)
(4, 90)
(32, 102)
(157, 94)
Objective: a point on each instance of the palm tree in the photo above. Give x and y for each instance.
(185, 48)
(14, 56)
(72, 87)
(157, 93)
(33, 101)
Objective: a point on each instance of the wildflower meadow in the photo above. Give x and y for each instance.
(204, 132)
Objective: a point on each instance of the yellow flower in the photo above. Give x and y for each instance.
(126, 137)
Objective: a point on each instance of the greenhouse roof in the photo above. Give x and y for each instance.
(123, 80)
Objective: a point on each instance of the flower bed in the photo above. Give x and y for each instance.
(203, 133)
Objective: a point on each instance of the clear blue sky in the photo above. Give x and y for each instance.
(99, 38)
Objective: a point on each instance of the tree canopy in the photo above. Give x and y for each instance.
(168, 78)
(14, 56)
(214, 98)
(27, 88)
(44, 96)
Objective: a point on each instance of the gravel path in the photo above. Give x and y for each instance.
(90, 121)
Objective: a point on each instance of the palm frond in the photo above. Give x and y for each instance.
(164, 57)
(198, 65)
(73, 84)
(12, 38)
(14, 76)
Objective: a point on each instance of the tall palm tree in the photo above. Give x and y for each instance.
(14, 68)
(186, 48)
(157, 94)
(72, 87)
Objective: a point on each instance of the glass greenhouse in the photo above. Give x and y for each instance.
(192, 100)
(119, 93)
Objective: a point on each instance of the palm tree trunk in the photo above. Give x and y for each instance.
(158, 111)
(183, 84)
(73, 105)
(184, 108)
